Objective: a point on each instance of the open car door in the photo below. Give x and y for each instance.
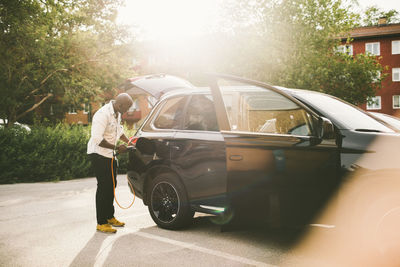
(277, 166)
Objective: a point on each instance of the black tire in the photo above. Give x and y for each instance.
(168, 202)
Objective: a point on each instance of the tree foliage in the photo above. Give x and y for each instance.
(58, 51)
(293, 43)
(52, 153)
(372, 15)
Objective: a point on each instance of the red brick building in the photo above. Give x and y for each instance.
(131, 117)
(75, 116)
(383, 41)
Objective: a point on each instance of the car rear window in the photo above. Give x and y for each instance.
(200, 114)
(171, 114)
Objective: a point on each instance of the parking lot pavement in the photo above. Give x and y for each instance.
(53, 224)
(48, 224)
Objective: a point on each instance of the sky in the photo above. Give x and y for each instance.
(382, 4)
(180, 19)
(170, 19)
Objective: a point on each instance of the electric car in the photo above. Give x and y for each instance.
(239, 148)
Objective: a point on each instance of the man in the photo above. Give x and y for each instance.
(106, 130)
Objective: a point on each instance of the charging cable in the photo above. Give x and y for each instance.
(113, 177)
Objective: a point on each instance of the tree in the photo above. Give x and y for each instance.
(372, 15)
(60, 50)
(293, 43)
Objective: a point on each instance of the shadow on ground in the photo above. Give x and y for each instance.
(87, 256)
(204, 243)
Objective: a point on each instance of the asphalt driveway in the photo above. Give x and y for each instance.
(53, 224)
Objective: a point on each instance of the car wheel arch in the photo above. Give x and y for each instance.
(152, 174)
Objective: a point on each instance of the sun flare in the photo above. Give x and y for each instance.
(169, 20)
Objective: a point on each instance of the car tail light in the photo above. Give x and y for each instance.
(133, 140)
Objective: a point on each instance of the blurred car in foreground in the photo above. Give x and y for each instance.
(242, 148)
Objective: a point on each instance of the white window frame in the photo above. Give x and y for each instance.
(377, 103)
(346, 49)
(86, 108)
(396, 71)
(396, 47)
(369, 47)
(72, 110)
(135, 104)
(396, 103)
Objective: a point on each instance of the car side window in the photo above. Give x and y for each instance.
(256, 109)
(171, 114)
(200, 114)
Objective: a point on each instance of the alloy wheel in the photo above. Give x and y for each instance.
(165, 202)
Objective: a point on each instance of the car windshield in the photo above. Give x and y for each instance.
(349, 116)
(392, 121)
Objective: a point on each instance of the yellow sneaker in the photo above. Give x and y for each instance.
(106, 228)
(115, 222)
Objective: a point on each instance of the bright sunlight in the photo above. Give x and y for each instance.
(171, 20)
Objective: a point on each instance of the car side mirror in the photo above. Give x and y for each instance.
(326, 129)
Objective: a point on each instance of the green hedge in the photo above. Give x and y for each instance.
(46, 154)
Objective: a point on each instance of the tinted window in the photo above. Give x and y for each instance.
(171, 114)
(200, 114)
(257, 109)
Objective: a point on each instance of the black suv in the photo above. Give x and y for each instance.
(234, 147)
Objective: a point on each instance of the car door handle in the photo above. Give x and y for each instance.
(176, 148)
(235, 157)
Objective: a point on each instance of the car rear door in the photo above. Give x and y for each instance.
(276, 166)
(189, 134)
(198, 154)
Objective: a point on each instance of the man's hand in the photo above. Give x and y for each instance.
(122, 149)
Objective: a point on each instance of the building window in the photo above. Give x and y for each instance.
(72, 110)
(396, 101)
(345, 49)
(395, 47)
(374, 102)
(135, 105)
(86, 108)
(373, 48)
(396, 74)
